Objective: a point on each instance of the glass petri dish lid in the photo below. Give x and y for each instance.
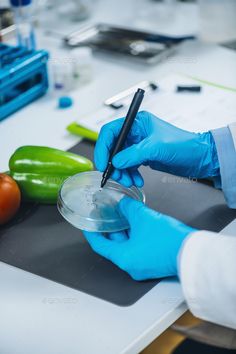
(88, 207)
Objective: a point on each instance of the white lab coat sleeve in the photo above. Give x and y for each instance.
(207, 269)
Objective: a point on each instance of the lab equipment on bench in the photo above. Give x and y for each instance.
(87, 206)
(22, 10)
(62, 78)
(65, 102)
(145, 47)
(82, 64)
(23, 77)
(71, 71)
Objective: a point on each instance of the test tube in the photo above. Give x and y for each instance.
(22, 10)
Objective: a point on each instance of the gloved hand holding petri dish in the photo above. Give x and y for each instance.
(87, 206)
(90, 200)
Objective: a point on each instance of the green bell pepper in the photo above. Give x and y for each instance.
(40, 171)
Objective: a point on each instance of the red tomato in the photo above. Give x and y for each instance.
(10, 198)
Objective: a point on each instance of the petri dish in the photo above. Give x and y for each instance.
(86, 206)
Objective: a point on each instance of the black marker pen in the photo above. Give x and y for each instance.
(131, 115)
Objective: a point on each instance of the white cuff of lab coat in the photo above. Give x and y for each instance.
(207, 268)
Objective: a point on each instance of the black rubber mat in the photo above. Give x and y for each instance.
(39, 241)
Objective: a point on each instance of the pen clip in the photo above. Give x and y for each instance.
(115, 102)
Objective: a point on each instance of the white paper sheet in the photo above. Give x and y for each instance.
(212, 108)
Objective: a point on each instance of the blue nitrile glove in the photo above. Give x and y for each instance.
(149, 249)
(160, 145)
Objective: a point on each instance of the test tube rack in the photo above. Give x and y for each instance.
(23, 77)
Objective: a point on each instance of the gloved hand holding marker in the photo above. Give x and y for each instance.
(160, 145)
(150, 248)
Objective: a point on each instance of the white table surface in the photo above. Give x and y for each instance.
(42, 317)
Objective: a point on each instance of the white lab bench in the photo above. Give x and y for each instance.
(42, 317)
